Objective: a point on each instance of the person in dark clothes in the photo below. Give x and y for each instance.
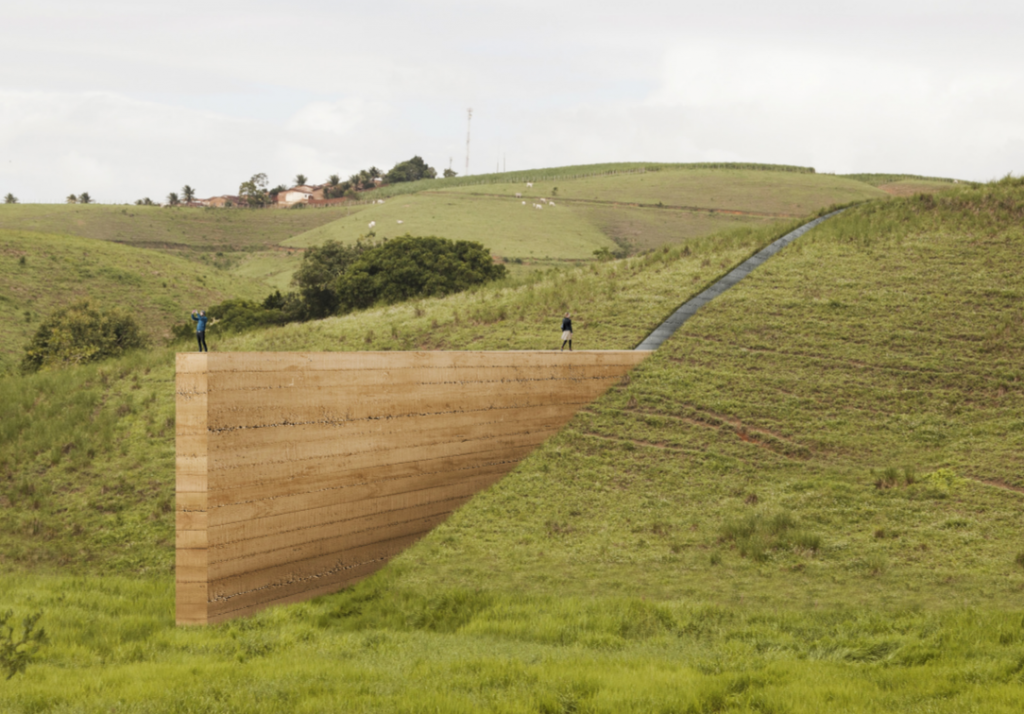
(567, 331)
(200, 320)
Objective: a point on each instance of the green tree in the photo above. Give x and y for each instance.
(80, 333)
(412, 170)
(17, 652)
(172, 199)
(333, 180)
(254, 191)
(72, 198)
(448, 173)
(144, 202)
(188, 194)
(300, 179)
(409, 267)
(85, 198)
(10, 198)
(317, 277)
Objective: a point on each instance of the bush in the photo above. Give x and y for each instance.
(237, 315)
(81, 333)
(15, 654)
(409, 267)
(317, 277)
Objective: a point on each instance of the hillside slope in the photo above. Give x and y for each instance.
(41, 271)
(89, 451)
(805, 501)
(844, 426)
(168, 229)
(634, 209)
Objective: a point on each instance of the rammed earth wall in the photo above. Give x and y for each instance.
(301, 473)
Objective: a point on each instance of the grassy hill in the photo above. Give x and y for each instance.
(618, 206)
(808, 500)
(188, 230)
(765, 193)
(42, 271)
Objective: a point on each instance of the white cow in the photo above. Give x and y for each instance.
(372, 224)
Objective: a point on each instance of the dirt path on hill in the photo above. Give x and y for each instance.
(687, 310)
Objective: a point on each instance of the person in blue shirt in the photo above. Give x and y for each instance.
(567, 331)
(200, 320)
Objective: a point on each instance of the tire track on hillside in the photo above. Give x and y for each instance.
(689, 308)
(627, 204)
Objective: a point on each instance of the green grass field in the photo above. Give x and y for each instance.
(786, 195)
(169, 229)
(507, 228)
(625, 210)
(808, 500)
(41, 271)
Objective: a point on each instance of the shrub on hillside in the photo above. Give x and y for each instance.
(317, 277)
(81, 333)
(409, 267)
(238, 315)
(16, 652)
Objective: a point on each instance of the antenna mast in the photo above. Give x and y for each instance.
(469, 118)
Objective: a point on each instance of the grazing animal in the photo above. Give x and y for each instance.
(524, 203)
(373, 223)
(399, 221)
(529, 185)
(519, 195)
(380, 200)
(551, 203)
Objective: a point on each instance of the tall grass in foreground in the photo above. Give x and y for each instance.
(113, 645)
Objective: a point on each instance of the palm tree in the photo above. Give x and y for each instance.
(10, 198)
(300, 180)
(334, 179)
(85, 198)
(72, 198)
(188, 194)
(172, 199)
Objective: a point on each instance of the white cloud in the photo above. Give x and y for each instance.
(126, 100)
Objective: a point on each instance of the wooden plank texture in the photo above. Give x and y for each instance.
(299, 474)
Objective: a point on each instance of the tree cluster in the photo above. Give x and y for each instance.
(254, 192)
(409, 267)
(412, 170)
(360, 181)
(81, 333)
(336, 278)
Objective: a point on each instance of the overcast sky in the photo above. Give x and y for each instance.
(127, 99)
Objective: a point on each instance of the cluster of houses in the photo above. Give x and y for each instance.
(309, 195)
